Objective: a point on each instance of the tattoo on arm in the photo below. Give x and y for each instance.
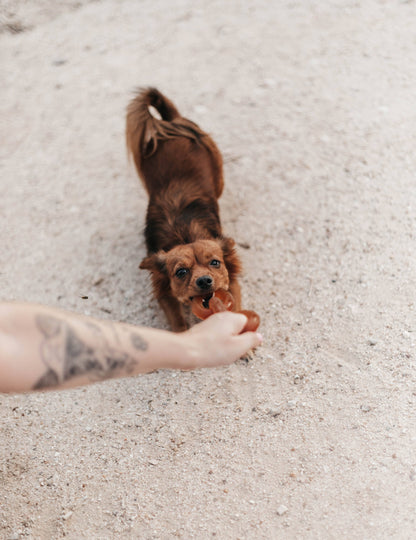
(138, 342)
(66, 356)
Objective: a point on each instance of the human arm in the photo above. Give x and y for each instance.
(43, 347)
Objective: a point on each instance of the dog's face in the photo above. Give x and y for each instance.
(197, 269)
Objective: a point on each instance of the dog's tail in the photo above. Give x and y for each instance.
(144, 129)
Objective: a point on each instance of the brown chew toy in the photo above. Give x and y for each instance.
(222, 301)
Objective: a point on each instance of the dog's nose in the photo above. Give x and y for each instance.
(204, 282)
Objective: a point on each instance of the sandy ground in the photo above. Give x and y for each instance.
(313, 106)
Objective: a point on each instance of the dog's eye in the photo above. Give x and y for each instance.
(181, 272)
(215, 262)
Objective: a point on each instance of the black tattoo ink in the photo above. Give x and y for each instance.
(138, 342)
(79, 358)
(48, 380)
(66, 356)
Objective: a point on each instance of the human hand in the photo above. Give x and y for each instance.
(217, 341)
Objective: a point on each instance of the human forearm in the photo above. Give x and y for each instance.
(44, 347)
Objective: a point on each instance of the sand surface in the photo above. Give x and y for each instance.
(313, 106)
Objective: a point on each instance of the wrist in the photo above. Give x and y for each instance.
(182, 353)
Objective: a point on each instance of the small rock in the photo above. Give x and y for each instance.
(200, 109)
(153, 462)
(372, 342)
(365, 408)
(269, 83)
(67, 515)
(59, 62)
(244, 245)
(282, 509)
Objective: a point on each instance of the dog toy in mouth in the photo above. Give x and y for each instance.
(221, 300)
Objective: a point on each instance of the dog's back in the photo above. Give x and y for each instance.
(181, 168)
(171, 148)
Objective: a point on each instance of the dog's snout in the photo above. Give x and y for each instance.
(204, 282)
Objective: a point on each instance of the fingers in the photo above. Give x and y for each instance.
(235, 323)
(232, 324)
(246, 341)
(220, 339)
(227, 322)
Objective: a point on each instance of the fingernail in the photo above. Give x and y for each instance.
(259, 337)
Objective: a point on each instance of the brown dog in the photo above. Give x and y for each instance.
(181, 169)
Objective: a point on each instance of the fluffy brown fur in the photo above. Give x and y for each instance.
(181, 169)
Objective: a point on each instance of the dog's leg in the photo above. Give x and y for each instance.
(174, 313)
(236, 292)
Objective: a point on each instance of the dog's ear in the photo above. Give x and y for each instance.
(155, 262)
(231, 259)
(227, 244)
